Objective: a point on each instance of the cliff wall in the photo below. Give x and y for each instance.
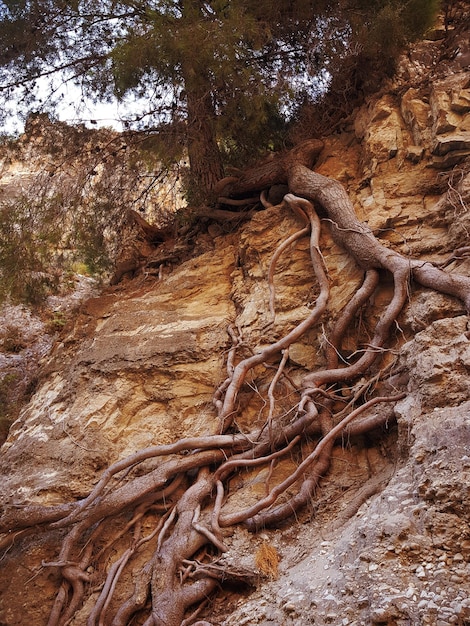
(387, 540)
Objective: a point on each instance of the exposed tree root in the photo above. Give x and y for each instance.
(177, 512)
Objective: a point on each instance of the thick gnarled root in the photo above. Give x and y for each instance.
(182, 502)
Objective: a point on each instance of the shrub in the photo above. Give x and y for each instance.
(8, 403)
(13, 340)
(29, 238)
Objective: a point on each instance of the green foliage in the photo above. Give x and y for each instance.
(57, 321)
(5, 385)
(219, 74)
(41, 236)
(41, 239)
(163, 148)
(78, 267)
(419, 16)
(393, 24)
(251, 127)
(71, 217)
(28, 240)
(16, 374)
(13, 340)
(374, 34)
(88, 236)
(16, 387)
(8, 403)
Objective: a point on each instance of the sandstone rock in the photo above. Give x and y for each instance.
(416, 114)
(438, 356)
(451, 142)
(449, 160)
(460, 102)
(445, 119)
(116, 408)
(383, 137)
(414, 153)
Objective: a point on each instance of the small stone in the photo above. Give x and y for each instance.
(330, 597)
(380, 614)
(414, 154)
(456, 607)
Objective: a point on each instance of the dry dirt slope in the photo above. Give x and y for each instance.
(388, 539)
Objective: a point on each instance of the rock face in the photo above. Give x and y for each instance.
(388, 540)
(404, 557)
(57, 157)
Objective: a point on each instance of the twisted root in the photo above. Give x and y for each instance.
(184, 497)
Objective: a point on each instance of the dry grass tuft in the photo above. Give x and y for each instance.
(267, 560)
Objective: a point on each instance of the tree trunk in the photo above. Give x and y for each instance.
(274, 171)
(205, 160)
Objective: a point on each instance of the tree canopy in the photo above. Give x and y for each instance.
(217, 79)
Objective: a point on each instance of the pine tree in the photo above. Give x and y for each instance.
(216, 75)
